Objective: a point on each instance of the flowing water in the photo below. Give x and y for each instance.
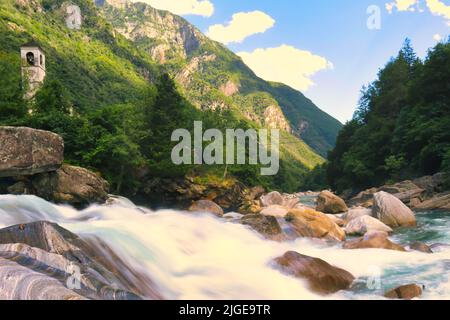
(192, 256)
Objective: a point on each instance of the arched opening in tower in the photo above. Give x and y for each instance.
(30, 58)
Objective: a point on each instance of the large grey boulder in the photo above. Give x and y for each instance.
(26, 151)
(392, 211)
(72, 185)
(364, 224)
(421, 247)
(272, 198)
(438, 202)
(431, 184)
(309, 223)
(373, 240)
(321, 277)
(357, 212)
(206, 206)
(275, 210)
(407, 191)
(267, 226)
(328, 202)
(406, 292)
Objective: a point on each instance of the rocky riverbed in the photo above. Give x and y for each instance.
(125, 252)
(63, 237)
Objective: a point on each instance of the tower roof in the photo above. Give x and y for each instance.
(32, 44)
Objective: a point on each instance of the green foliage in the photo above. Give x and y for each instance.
(401, 127)
(116, 109)
(169, 111)
(394, 164)
(51, 97)
(203, 89)
(316, 179)
(12, 104)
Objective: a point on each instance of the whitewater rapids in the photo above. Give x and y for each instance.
(199, 256)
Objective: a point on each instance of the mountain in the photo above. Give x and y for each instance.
(212, 76)
(106, 94)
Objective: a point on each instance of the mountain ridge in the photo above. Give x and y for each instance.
(204, 66)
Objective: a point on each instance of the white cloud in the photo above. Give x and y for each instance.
(183, 7)
(437, 37)
(241, 26)
(286, 64)
(436, 7)
(401, 5)
(439, 8)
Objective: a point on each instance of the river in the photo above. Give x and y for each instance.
(198, 256)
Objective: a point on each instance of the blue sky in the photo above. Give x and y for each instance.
(336, 31)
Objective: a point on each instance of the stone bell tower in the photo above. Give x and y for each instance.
(33, 67)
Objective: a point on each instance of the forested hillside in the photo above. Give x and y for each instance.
(401, 128)
(114, 105)
(214, 77)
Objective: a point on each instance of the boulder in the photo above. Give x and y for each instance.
(411, 193)
(206, 206)
(340, 222)
(400, 187)
(328, 202)
(313, 224)
(431, 184)
(18, 188)
(374, 240)
(438, 202)
(321, 277)
(364, 224)
(26, 151)
(437, 247)
(255, 192)
(103, 275)
(357, 212)
(422, 247)
(275, 210)
(272, 198)
(250, 200)
(49, 237)
(267, 226)
(410, 197)
(363, 198)
(406, 292)
(73, 185)
(291, 203)
(391, 211)
(251, 207)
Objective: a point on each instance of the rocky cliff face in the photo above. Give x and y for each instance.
(167, 36)
(275, 119)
